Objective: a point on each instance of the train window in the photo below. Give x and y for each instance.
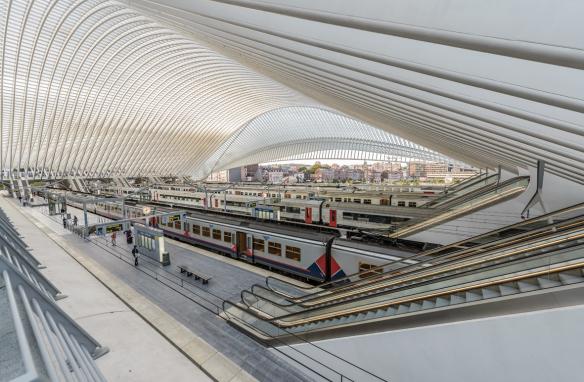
(356, 200)
(365, 267)
(298, 196)
(196, 229)
(217, 234)
(293, 210)
(293, 253)
(366, 201)
(227, 237)
(177, 224)
(411, 204)
(346, 200)
(258, 244)
(206, 231)
(338, 199)
(401, 204)
(274, 248)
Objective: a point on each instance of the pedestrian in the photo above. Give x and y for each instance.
(64, 222)
(135, 253)
(114, 239)
(75, 221)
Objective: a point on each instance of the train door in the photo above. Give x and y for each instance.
(333, 218)
(308, 215)
(383, 202)
(216, 203)
(186, 228)
(241, 243)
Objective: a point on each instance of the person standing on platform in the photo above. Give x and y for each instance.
(135, 253)
(114, 239)
(75, 221)
(64, 222)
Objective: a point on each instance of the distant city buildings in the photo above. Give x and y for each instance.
(377, 172)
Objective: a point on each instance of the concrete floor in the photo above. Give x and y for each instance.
(193, 306)
(137, 351)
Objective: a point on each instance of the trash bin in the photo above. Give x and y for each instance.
(165, 258)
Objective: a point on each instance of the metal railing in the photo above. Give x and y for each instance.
(43, 341)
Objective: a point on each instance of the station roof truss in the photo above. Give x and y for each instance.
(96, 88)
(467, 81)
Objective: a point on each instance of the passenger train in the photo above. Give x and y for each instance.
(298, 251)
(346, 210)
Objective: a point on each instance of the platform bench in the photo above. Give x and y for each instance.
(185, 269)
(198, 276)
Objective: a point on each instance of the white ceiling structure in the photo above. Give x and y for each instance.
(491, 83)
(184, 87)
(96, 88)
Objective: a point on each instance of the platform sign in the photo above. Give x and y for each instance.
(171, 218)
(109, 228)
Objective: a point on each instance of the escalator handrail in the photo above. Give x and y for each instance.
(487, 189)
(343, 377)
(392, 282)
(465, 183)
(495, 243)
(400, 277)
(448, 193)
(380, 305)
(481, 200)
(397, 288)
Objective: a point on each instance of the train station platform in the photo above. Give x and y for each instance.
(137, 351)
(185, 313)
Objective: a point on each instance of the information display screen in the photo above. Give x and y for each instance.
(174, 218)
(113, 228)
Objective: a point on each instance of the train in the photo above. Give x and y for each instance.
(363, 211)
(316, 256)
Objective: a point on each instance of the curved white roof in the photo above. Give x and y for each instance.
(158, 87)
(95, 88)
(492, 83)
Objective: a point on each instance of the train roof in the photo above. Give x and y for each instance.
(408, 212)
(272, 227)
(298, 202)
(374, 247)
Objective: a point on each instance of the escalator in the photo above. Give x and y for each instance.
(465, 204)
(551, 257)
(418, 273)
(472, 184)
(284, 292)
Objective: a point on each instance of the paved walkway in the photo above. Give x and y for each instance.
(194, 307)
(137, 351)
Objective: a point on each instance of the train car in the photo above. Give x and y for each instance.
(296, 251)
(305, 211)
(304, 253)
(349, 215)
(364, 258)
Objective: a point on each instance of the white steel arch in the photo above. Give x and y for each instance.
(463, 79)
(96, 88)
(312, 133)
